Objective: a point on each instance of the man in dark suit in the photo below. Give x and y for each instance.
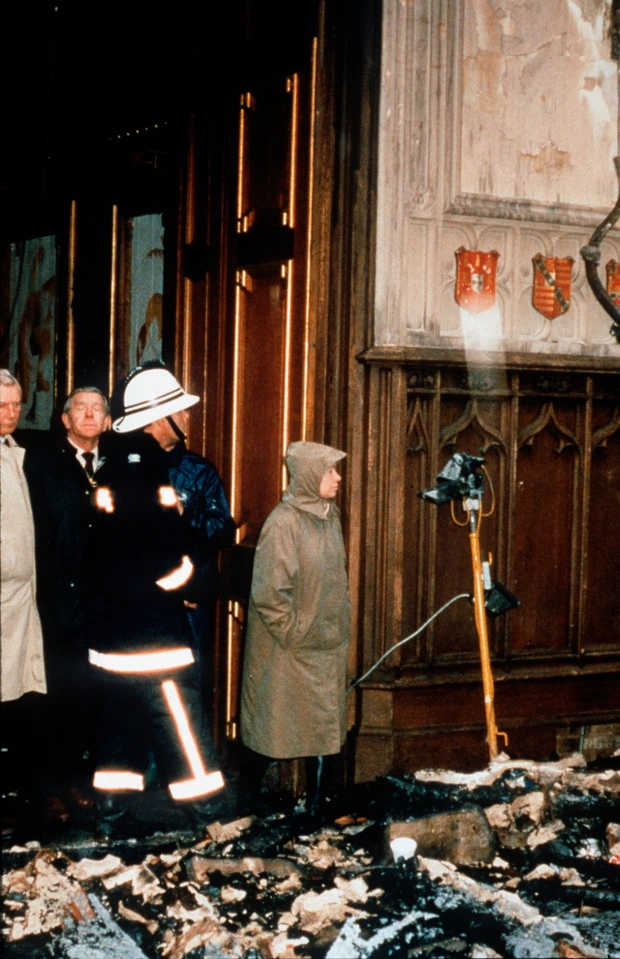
(61, 482)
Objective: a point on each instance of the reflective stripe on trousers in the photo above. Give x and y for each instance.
(153, 662)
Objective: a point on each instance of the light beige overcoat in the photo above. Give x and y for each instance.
(22, 663)
(295, 666)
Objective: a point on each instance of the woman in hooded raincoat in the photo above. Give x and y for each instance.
(295, 668)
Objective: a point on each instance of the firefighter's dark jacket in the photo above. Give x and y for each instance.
(199, 487)
(137, 543)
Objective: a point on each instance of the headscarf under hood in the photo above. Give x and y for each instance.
(307, 464)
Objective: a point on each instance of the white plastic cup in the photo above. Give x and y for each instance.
(403, 848)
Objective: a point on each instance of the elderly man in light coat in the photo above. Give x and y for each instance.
(22, 665)
(294, 675)
(22, 641)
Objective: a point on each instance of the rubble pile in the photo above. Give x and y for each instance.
(519, 860)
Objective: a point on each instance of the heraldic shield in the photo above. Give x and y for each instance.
(552, 284)
(612, 268)
(475, 279)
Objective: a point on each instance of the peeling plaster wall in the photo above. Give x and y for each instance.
(539, 101)
(498, 128)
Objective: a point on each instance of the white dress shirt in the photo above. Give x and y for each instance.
(79, 452)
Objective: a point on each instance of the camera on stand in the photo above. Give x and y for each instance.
(460, 479)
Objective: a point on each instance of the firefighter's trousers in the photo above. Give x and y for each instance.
(159, 709)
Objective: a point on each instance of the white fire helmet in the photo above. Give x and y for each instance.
(151, 394)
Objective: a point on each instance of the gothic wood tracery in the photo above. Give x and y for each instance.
(551, 441)
(542, 460)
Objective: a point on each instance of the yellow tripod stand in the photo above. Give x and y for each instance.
(475, 516)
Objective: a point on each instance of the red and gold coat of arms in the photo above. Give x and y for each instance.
(612, 269)
(475, 279)
(552, 284)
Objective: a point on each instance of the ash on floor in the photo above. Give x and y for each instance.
(519, 860)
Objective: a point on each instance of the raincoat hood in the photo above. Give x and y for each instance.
(307, 464)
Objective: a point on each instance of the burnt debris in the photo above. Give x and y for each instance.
(519, 860)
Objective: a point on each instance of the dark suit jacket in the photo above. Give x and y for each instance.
(61, 501)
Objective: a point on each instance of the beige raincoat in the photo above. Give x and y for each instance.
(294, 676)
(23, 670)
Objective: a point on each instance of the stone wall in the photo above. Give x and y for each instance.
(498, 128)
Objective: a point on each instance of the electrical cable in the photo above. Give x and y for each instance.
(407, 638)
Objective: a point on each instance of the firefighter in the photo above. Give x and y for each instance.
(141, 574)
(199, 488)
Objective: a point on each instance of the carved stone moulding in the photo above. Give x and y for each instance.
(527, 211)
(553, 383)
(441, 354)
(482, 381)
(421, 380)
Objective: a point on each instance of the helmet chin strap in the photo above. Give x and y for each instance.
(176, 428)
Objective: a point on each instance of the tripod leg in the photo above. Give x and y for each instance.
(483, 637)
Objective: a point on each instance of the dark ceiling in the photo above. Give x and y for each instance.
(80, 75)
(88, 85)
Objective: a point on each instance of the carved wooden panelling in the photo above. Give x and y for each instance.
(601, 608)
(551, 443)
(546, 520)
(456, 169)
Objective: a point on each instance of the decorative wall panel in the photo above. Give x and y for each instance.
(498, 128)
(551, 443)
(600, 615)
(29, 340)
(138, 307)
(539, 101)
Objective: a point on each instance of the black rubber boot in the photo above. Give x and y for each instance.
(112, 810)
(253, 767)
(213, 808)
(314, 783)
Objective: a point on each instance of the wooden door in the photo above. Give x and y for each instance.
(272, 329)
